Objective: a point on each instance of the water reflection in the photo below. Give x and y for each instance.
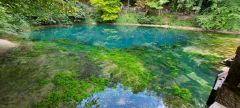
(122, 97)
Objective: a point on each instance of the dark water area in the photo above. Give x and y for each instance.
(111, 66)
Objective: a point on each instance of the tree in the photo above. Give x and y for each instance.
(41, 10)
(157, 4)
(107, 9)
(222, 15)
(141, 3)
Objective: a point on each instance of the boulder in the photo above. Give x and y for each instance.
(6, 45)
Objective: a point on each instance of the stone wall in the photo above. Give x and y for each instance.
(229, 94)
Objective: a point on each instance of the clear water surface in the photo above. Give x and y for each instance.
(195, 77)
(182, 72)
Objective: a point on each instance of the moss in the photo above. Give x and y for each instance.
(43, 82)
(181, 92)
(69, 90)
(129, 69)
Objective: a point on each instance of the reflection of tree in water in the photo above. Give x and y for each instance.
(122, 97)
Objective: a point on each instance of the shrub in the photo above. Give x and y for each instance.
(223, 15)
(11, 23)
(128, 17)
(54, 19)
(144, 19)
(4, 19)
(107, 9)
(84, 13)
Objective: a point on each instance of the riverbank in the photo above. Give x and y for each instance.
(181, 28)
(190, 28)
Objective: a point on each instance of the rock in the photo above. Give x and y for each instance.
(6, 45)
(233, 78)
(227, 62)
(229, 94)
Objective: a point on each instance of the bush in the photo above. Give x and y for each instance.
(11, 23)
(222, 18)
(128, 17)
(54, 19)
(4, 19)
(144, 19)
(222, 15)
(84, 13)
(107, 9)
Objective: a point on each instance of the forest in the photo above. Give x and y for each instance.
(17, 15)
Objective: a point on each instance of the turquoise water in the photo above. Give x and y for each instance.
(164, 56)
(143, 67)
(114, 36)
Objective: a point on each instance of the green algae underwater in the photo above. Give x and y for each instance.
(64, 66)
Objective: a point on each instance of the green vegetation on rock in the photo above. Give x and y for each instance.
(69, 89)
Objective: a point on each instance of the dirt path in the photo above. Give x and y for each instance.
(5, 45)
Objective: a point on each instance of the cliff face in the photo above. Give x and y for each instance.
(229, 94)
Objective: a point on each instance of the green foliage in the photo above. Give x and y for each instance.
(144, 19)
(48, 12)
(222, 15)
(107, 9)
(43, 82)
(157, 4)
(128, 17)
(4, 19)
(84, 13)
(16, 15)
(188, 5)
(141, 4)
(10, 23)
